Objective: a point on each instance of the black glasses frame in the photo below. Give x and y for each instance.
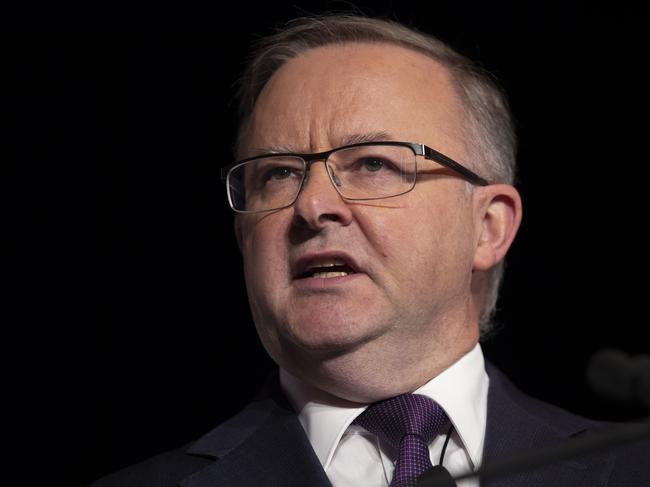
(418, 149)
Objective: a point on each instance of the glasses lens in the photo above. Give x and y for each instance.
(265, 184)
(373, 171)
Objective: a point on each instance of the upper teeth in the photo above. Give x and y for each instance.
(326, 263)
(315, 266)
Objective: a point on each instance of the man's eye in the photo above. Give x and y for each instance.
(373, 164)
(278, 173)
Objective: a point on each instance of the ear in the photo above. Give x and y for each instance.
(498, 212)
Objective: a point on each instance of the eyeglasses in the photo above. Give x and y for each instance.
(363, 171)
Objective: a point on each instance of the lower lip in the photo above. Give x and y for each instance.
(325, 283)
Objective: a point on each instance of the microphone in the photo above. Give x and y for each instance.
(614, 374)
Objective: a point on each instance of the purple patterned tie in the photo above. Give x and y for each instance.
(409, 423)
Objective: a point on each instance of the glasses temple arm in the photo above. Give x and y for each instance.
(434, 155)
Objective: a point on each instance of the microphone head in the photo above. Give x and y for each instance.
(613, 374)
(610, 373)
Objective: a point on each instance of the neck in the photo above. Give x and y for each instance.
(378, 370)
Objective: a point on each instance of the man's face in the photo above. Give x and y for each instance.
(412, 254)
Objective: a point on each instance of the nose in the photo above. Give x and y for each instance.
(319, 204)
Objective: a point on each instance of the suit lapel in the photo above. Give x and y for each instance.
(265, 444)
(517, 423)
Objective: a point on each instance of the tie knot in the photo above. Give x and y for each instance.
(399, 416)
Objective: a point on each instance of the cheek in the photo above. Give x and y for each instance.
(404, 240)
(420, 240)
(264, 249)
(378, 226)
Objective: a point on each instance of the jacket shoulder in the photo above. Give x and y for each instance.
(503, 394)
(166, 469)
(518, 422)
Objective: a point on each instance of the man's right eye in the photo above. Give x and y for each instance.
(277, 173)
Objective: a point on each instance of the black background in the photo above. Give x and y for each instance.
(129, 331)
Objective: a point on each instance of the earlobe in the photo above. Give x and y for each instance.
(499, 216)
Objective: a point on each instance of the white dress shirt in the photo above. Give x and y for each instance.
(352, 456)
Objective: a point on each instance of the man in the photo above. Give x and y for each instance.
(374, 206)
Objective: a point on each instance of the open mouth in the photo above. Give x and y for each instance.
(327, 271)
(325, 268)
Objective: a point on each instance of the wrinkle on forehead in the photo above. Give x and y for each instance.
(316, 100)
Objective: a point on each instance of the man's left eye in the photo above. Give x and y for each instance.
(373, 164)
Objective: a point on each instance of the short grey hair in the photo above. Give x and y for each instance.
(489, 133)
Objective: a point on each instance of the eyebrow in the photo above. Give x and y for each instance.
(357, 138)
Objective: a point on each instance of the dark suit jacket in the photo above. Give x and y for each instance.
(265, 445)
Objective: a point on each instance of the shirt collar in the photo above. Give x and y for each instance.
(461, 390)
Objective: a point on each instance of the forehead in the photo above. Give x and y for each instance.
(316, 100)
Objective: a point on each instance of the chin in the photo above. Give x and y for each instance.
(332, 337)
(314, 341)
(337, 318)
